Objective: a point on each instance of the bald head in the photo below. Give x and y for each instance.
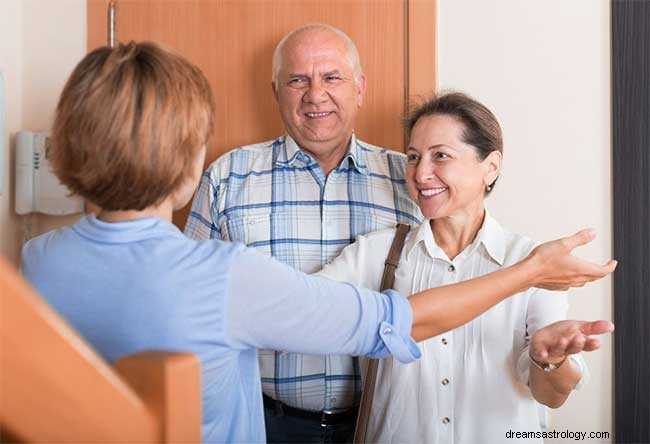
(304, 33)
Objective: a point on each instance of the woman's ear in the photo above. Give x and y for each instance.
(493, 167)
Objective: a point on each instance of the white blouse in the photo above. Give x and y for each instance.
(471, 384)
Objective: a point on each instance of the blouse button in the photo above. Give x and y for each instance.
(388, 330)
(444, 341)
(446, 420)
(445, 381)
(451, 268)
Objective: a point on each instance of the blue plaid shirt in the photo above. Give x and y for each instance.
(275, 197)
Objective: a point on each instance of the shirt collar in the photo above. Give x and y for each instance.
(424, 235)
(354, 158)
(124, 232)
(491, 236)
(357, 156)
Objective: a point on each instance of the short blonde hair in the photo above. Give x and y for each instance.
(129, 124)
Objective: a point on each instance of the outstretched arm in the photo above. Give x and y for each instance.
(271, 305)
(550, 266)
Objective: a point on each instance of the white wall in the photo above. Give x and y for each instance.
(543, 67)
(11, 65)
(40, 43)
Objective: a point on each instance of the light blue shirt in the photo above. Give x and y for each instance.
(142, 285)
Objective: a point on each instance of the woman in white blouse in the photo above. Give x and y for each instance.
(478, 382)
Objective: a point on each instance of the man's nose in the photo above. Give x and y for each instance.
(315, 93)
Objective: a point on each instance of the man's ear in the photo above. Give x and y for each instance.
(361, 89)
(275, 91)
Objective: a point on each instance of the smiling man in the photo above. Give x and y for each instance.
(302, 198)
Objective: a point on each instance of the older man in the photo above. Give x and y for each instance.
(302, 198)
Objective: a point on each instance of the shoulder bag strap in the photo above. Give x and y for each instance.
(370, 376)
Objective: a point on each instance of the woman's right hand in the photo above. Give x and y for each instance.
(555, 268)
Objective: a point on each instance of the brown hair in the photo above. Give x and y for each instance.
(129, 125)
(481, 129)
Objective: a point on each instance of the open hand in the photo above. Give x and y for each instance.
(557, 269)
(555, 341)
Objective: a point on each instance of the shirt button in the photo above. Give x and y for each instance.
(328, 261)
(333, 399)
(252, 222)
(446, 420)
(445, 381)
(388, 330)
(444, 341)
(451, 268)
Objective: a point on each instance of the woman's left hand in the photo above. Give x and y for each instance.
(554, 342)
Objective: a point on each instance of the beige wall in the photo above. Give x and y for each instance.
(40, 43)
(543, 67)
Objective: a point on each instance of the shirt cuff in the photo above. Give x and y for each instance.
(395, 335)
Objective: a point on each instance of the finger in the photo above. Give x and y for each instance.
(576, 345)
(596, 327)
(540, 355)
(611, 265)
(592, 344)
(582, 237)
(559, 348)
(589, 271)
(538, 350)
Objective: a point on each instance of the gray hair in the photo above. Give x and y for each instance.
(353, 53)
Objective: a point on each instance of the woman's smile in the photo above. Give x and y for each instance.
(432, 192)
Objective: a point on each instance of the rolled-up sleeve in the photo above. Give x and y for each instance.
(272, 306)
(395, 336)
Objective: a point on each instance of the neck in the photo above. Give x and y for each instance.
(330, 155)
(454, 233)
(162, 211)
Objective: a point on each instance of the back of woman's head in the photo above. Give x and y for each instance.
(480, 127)
(129, 124)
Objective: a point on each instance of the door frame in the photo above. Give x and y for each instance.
(630, 21)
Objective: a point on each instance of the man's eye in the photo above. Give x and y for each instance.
(296, 81)
(440, 155)
(412, 158)
(333, 78)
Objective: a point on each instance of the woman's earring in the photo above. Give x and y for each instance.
(488, 188)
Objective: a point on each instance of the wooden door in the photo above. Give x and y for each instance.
(232, 41)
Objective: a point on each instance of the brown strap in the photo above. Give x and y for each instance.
(370, 376)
